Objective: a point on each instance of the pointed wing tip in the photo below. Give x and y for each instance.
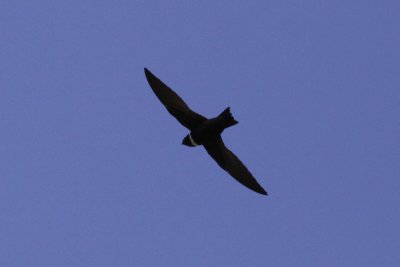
(261, 191)
(148, 74)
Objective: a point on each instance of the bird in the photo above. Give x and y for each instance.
(205, 132)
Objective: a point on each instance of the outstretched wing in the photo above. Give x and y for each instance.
(232, 164)
(174, 104)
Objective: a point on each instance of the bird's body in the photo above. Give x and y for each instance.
(205, 132)
(209, 129)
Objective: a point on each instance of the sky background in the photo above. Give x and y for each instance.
(92, 170)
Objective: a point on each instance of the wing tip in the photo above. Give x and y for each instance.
(262, 191)
(150, 76)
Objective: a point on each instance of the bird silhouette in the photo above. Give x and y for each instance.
(205, 132)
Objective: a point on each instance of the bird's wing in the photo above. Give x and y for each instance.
(232, 164)
(174, 104)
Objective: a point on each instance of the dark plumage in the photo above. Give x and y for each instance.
(206, 132)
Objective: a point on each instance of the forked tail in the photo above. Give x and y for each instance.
(228, 118)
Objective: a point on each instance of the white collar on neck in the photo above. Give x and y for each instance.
(192, 141)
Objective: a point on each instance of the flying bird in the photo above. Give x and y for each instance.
(205, 132)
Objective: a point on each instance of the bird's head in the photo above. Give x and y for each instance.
(187, 141)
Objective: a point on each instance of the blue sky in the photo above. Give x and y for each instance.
(93, 172)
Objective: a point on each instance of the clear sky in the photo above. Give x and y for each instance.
(92, 170)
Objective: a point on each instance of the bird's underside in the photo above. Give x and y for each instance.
(213, 144)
